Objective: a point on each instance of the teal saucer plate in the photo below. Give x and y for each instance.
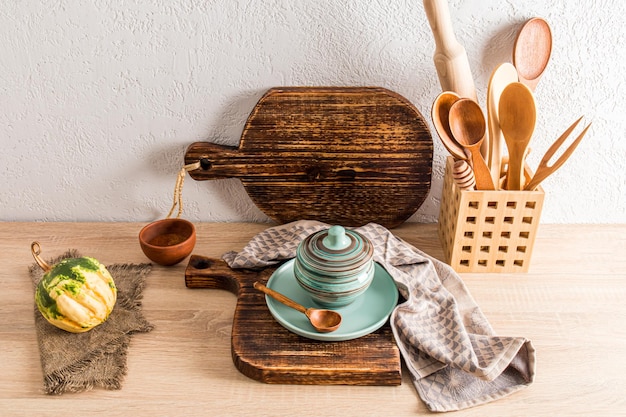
(363, 316)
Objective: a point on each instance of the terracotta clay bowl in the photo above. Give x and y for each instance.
(168, 241)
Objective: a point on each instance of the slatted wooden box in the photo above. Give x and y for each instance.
(488, 231)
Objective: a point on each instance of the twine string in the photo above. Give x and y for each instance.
(178, 188)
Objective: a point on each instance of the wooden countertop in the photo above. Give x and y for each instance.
(571, 304)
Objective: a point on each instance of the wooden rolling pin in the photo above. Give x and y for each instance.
(450, 57)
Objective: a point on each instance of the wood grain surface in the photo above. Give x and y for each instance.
(342, 155)
(265, 351)
(570, 304)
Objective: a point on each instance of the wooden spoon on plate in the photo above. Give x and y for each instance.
(324, 321)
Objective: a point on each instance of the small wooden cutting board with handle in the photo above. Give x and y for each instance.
(265, 351)
(341, 155)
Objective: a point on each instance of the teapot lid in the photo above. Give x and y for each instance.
(336, 250)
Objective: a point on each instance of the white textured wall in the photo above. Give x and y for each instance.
(99, 99)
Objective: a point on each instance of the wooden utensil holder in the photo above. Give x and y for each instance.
(488, 231)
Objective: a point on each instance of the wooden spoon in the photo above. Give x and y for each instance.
(518, 115)
(324, 321)
(440, 114)
(532, 50)
(502, 76)
(467, 124)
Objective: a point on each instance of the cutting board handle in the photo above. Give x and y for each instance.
(212, 273)
(216, 161)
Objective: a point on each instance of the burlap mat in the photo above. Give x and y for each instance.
(455, 358)
(75, 362)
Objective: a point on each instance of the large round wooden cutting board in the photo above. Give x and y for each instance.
(341, 155)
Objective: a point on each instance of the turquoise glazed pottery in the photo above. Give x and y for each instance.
(334, 266)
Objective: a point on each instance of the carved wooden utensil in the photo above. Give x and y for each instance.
(440, 114)
(346, 156)
(463, 175)
(322, 320)
(467, 124)
(532, 50)
(450, 56)
(518, 115)
(502, 76)
(544, 170)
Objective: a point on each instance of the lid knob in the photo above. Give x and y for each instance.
(336, 238)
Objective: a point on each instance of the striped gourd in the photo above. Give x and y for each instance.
(75, 294)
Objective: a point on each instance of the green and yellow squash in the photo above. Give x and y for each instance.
(76, 294)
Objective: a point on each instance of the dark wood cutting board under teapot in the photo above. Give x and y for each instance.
(341, 155)
(265, 351)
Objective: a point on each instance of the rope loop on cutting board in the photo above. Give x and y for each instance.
(178, 188)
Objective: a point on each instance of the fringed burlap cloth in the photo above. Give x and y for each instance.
(455, 359)
(74, 362)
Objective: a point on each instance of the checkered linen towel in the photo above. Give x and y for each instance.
(454, 357)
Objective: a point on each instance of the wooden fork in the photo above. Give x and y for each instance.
(543, 170)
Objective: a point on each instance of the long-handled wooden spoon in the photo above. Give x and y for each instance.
(532, 50)
(518, 115)
(462, 172)
(324, 321)
(467, 124)
(543, 170)
(440, 114)
(502, 76)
